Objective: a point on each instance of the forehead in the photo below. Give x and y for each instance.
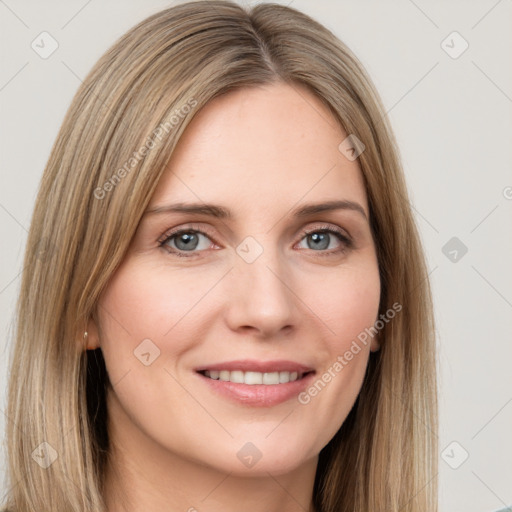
(262, 148)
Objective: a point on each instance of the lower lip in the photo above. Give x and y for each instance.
(259, 395)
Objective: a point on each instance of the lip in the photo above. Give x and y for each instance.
(251, 365)
(258, 395)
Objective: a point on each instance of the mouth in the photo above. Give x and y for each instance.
(254, 378)
(257, 383)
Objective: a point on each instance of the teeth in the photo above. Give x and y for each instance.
(224, 375)
(271, 378)
(236, 376)
(252, 378)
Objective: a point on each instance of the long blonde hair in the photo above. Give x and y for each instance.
(93, 192)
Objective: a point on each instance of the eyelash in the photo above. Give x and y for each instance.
(345, 240)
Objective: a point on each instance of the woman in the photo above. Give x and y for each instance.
(236, 310)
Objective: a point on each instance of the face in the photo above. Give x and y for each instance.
(226, 331)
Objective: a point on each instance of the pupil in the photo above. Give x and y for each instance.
(187, 241)
(320, 237)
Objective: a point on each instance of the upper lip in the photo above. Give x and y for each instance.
(252, 365)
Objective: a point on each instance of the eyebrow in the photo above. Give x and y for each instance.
(221, 212)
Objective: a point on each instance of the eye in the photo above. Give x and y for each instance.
(185, 240)
(319, 239)
(193, 240)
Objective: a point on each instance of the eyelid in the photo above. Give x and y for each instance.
(327, 227)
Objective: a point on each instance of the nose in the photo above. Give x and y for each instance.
(261, 297)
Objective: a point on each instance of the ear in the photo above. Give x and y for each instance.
(91, 341)
(375, 344)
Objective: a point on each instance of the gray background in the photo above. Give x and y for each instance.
(452, 118)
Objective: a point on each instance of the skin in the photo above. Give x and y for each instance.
(260, 152)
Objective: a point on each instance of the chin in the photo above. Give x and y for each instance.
(261, 456)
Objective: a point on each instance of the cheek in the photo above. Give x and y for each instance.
(142, 304)
(349, 308)
(347, 304)
(353, 311)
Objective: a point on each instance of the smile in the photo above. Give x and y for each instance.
(254, 383)
(253, 378)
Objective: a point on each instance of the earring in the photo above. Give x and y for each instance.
(86, 335)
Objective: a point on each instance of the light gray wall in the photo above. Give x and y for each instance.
(452, 118)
